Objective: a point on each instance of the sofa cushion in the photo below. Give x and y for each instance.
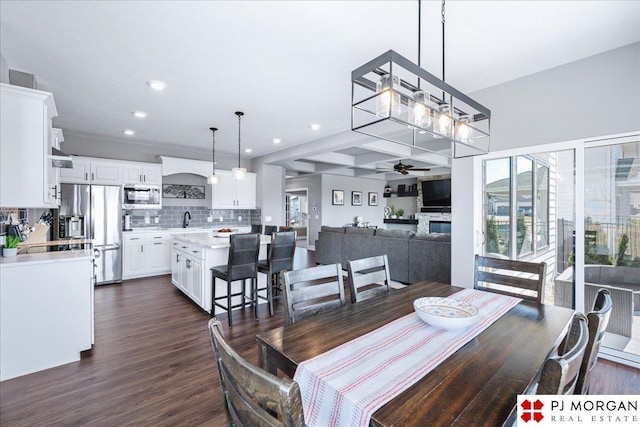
(398, 234)
(434, 237)
(360, 230)
(332, 229)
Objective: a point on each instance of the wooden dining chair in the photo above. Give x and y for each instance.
(560, 372)
(253, 396)
(522, 279)
(598, 320)
(242, 264)
(312, 290)
(281, 253)
(368, 277)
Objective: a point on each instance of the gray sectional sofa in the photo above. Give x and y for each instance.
(411, 257)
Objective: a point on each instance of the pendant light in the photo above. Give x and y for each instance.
(395, 100)
(239, 172)
(213, 178)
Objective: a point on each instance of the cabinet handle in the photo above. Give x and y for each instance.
(140, 177)
(188, 263)
(144, 178)
(134, 238)
(92, 176)
(157, 237)
(142, 249)
(177, 257)
(86, 176)
(158, 243)
(195, 252)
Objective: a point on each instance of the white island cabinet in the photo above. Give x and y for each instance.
(192, 257)
(46, 310)
(145, 254)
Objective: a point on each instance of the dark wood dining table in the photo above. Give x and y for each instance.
(478, 383)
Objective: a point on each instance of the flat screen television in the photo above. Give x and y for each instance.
(436, 193)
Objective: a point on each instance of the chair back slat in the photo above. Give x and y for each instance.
(494, 275)
(312, 290)
(560, 372)
(598, 320)
(253, 396)
(243, 256)
(368, 277)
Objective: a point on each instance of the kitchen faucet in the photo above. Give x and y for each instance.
(186, 219)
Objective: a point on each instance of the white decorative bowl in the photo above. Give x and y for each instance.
(223, 233)
(445, 313)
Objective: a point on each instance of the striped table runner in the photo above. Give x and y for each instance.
(346, 385)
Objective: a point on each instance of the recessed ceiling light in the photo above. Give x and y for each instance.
(315, 126)
(276, 140)
(129, 132)
(156, 84)
(140, 114)
(248, 150)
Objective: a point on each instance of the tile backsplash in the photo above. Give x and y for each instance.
(172, 216)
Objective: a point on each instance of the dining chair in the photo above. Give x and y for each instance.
(598, 320)
(281, 253)
(529, 284)
(368, 277)
(256, 228)
(242, 264)
(560, 372)
(253, 396)
(313, 290)
(270, 229)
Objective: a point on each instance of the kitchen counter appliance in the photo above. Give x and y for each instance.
(94, 212)
(140, 196)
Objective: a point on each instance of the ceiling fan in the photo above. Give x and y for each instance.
(405, 169)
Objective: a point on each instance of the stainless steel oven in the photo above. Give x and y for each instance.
(140, 196)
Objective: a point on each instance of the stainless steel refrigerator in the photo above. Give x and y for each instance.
(94, 212)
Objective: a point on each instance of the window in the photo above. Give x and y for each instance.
(511, 212)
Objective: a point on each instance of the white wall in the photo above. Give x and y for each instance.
(270, 193)
(340, 215)
(592, 97)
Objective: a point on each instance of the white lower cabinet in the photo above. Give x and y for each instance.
(146, 254)
(187, 273)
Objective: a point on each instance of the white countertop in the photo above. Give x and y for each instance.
(208, 240)
(177, 230)
(46, 258)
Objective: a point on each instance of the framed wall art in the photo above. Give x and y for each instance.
(373, 199)
(337, 197)
(356, 198)
(180, 191)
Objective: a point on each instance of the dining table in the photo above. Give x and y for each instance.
(478, 383)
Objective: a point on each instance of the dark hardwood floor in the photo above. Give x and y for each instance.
(153, 365)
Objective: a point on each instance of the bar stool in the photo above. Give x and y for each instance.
(281, 252)
(256, 228)
(242, 265)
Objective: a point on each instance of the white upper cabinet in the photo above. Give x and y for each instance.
(232, 193)
(143, 174)
(87, 170)
(26, 179)
(174, 165)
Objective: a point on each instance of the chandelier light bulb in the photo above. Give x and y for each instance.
(388, 99)
(239, 173)
(464, 131)
(419, 113)
(444, 121)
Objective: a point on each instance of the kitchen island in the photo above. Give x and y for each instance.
(192, 257)
(46, 310)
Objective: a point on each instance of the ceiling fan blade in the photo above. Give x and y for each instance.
(403, 172)
(421, 169)
(408, 166)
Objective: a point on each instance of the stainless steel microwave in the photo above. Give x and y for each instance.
(140, 196)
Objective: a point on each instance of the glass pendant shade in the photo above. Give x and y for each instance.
(419, 113)
(388, 99)
(464, 131)
(213, 178)
(443, 122)
(239, 173)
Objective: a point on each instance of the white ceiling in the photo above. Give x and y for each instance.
(286, 64)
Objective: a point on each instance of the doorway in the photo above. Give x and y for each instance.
(297, 214)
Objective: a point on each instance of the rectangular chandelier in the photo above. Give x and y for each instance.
(395, 100)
